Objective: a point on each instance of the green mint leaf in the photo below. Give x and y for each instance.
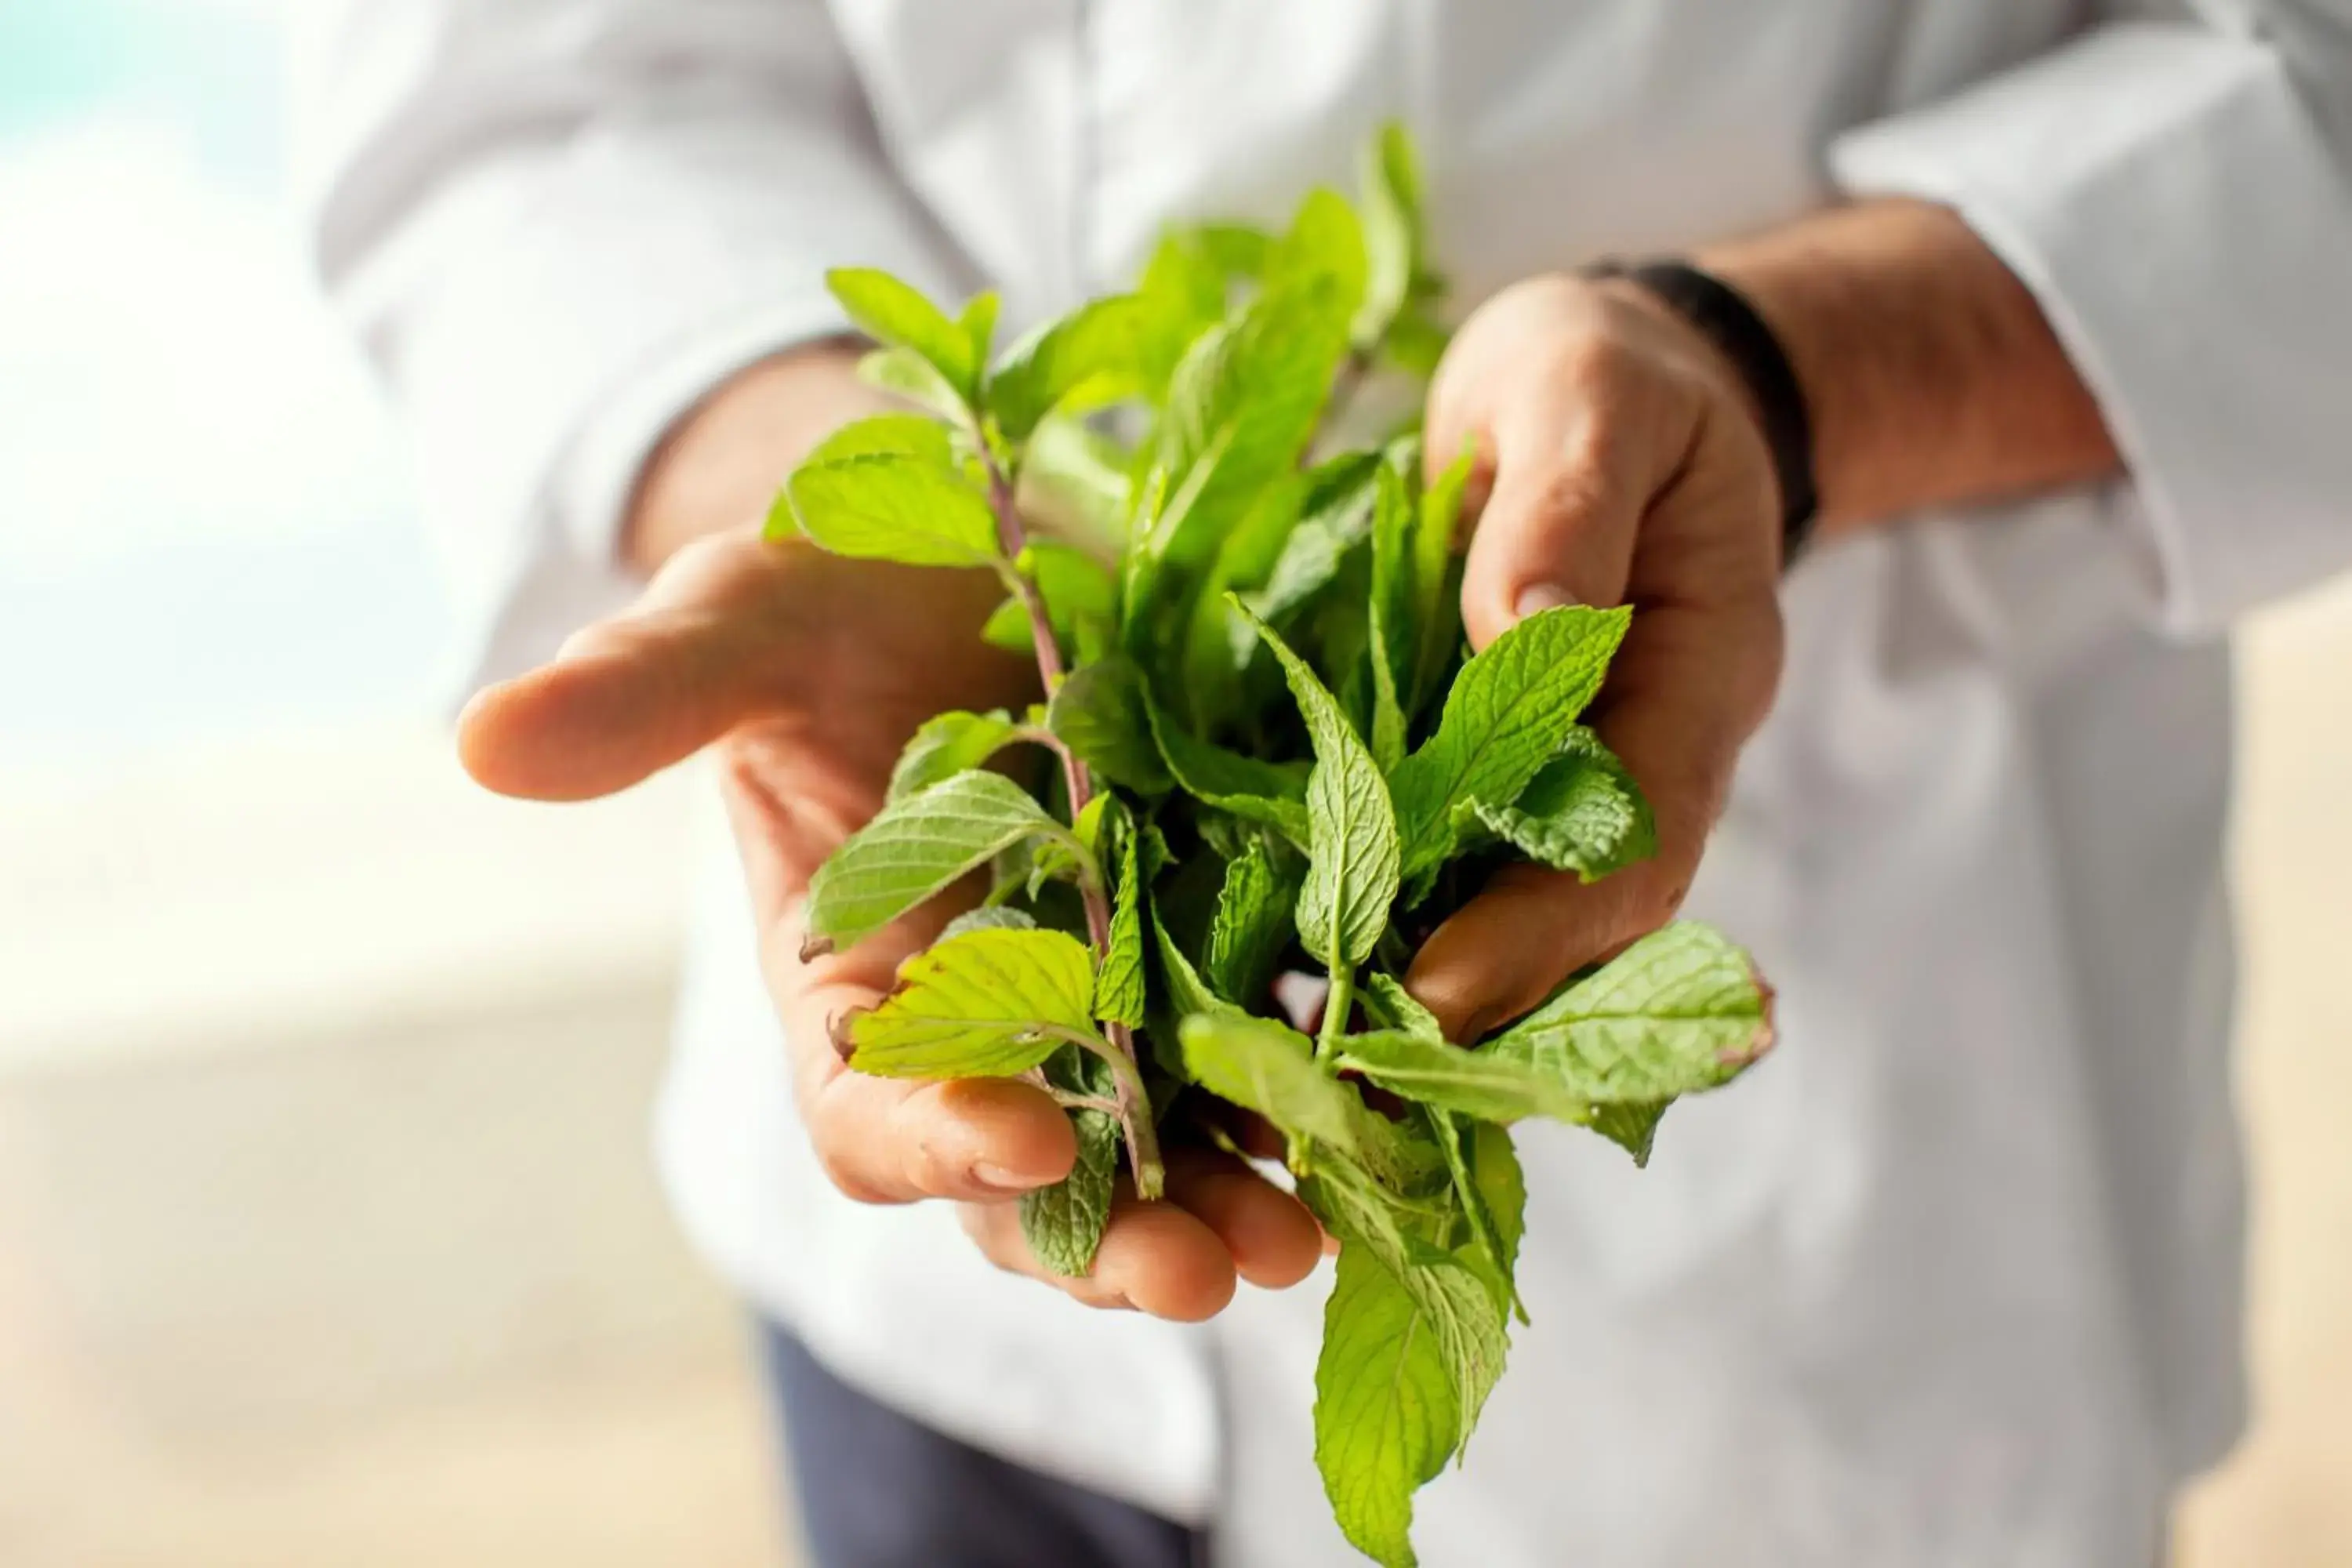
(1103, 715)
(1352, 876)
(1393, 245)
(1217, 642)
(1632, 1128)
(1582, 813)
(1157, 856)
(904, 374)
(1508, 714)
(1120, 992)
(1454, 1290)
(1087, 358)
(888, 506)
(889, 434)
(1469, 1307)
(1188, 995)
(1007, 628)
(1436, 574)
(1416, 341)
(1325, 240)
(1336, 517)
(1474, 1082)
(1267, 1067)
(1679, 1011)
(979, 324)
(1035, 862)
(1078, 594)
(1064, 1222)
(1181, 296)
(1401, 1156)
(1457, 1136)
(1241, 407)
(1266, 793)
(1385, 1412)
(912, 849)
(1147, 586)
(1087, 827)
(1074, 485)
(1396, 1008)
(988, 1004)
(1237, 250)
(1502, 1188)
(947, 745)
(1023, 868)
(1391, 624)
(1253, 923)
(895, 313)
(989, 917)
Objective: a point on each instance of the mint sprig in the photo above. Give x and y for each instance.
(1274, 753)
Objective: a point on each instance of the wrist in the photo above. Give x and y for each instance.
(1930, 372)
(721, 463)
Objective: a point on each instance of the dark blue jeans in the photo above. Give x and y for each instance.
(877, 1489)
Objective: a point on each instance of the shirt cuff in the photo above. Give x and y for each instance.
(2170, 201)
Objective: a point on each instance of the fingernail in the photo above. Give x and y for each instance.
(1005, 1181)
(1538, 597)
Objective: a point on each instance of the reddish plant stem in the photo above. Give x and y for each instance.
(1135, 1113)
(1010, 537)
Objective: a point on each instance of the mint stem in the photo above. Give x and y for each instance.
(1337, 1006)
(1135, 1103)
(1011, 536)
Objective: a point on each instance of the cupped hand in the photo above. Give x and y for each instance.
(805, 674)
(1620, 464)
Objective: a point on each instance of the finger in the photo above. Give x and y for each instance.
(1155, 1257)
(634, 694)
(1559, 525)
(1688, 687)
(1272, 1239)
(897, 1140)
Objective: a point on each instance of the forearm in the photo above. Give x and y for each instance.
(1930, 372)
(722, 465)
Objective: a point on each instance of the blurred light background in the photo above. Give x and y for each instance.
(326, 1231)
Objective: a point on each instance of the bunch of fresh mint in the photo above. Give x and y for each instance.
(1275, 755)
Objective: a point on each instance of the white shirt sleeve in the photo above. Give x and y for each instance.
(555, 226)
(2179, 200)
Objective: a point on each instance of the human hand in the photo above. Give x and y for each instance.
(1621, 463)
(805, 674)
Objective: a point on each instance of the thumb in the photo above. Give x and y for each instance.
(630, 695)
(1557, 529)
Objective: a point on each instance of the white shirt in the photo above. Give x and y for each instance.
(1954, 1277)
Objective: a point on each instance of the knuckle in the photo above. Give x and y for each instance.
(1608, 350)
(1572, 489)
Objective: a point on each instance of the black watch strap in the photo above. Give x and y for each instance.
(1725, 318)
